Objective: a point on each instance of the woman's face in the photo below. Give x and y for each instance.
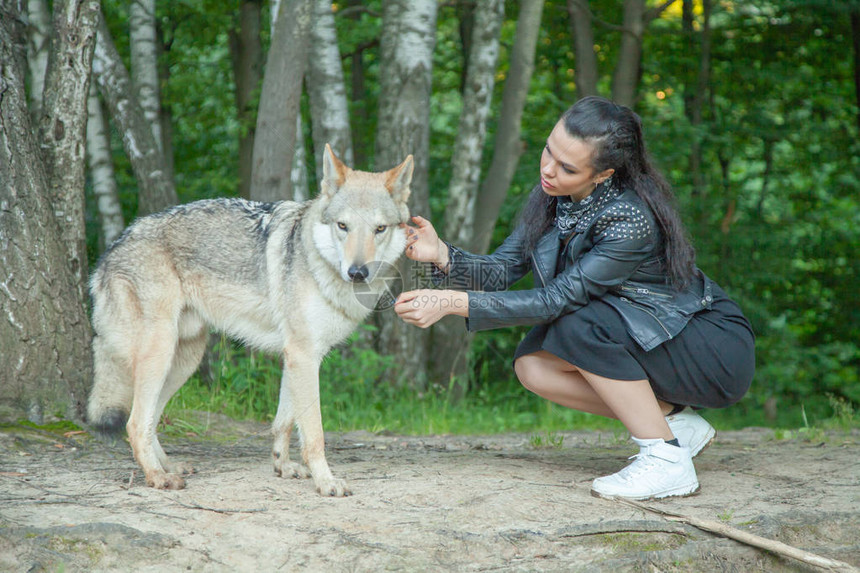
(565, 166)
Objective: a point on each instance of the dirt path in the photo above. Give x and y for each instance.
(451, 503)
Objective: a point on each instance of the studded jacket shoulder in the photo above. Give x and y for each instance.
(613, 253)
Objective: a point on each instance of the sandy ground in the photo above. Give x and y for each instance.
(441, 503)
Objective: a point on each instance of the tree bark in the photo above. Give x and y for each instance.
(44, 330)
(408, 40)
(299, 171)
(627, 71)
(275, 137)
(326, 89)
(63, 123)
(155, 188)
(508, 147)
(586, 70)
(450, 339)
(469, 145)
(144, 64)
(246, 48)
(102, 172)
(37, 52)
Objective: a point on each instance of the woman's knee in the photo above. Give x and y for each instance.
(530, 370)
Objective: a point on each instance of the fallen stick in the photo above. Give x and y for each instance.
(195, 505)
(751, 539)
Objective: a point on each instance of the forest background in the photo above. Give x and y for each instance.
(750, 108)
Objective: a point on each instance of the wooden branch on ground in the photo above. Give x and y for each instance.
(751, 539)
(195, 505)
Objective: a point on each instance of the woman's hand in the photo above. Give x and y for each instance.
(425, 307)
(423, 243)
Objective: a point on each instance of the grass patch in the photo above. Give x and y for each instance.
(357, 393)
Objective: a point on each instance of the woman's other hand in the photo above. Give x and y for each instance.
(423, 243)
(425, 307)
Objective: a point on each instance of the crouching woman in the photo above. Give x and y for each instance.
(626, 325)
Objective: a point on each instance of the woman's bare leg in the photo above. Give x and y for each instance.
(631, 402)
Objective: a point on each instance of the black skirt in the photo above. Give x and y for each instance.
(709, 364)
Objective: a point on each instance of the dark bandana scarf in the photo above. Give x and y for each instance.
(568, 213)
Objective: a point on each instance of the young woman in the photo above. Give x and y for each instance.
(626, 325)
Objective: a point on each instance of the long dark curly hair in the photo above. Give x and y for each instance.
(615, 132)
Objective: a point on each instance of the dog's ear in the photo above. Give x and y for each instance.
(334, 172)
(397, 180)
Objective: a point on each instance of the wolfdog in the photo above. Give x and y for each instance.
(278, 276)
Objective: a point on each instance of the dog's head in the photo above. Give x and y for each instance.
(360, 231)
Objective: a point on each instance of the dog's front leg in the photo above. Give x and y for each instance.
(300, 403)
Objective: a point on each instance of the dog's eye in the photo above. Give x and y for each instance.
(380, 229)
(342, 226)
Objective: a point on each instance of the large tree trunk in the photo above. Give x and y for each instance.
(155, 187)
(246, 48)
(102, 172)
(408, 40)
(144, 64)
(508, 147)
(326, 89)
(627, 71)
(39, 37)
(585, 75)
(63, 124)
(44, 330)
(275, 137)
(450, 339)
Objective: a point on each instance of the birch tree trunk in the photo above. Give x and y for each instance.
(326, 89)
(450, 340)
(469, 145)
(144, 64)
(246, 49)
(44, 330)
(299, 172)
(39, 38)
(586, 71)
(63, 123)
(408, 40)
(155, 187)
(508, 147)
(275, 136)
(101, 170)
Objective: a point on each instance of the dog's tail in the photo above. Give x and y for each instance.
(110, 399)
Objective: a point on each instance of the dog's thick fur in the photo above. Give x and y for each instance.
(278, 276)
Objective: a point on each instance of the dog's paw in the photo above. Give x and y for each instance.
(289, 469)
(181, 468)
(163, 480)
(332, 488)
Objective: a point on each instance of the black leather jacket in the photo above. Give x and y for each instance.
(612, 254)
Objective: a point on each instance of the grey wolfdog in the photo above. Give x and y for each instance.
(278, 276)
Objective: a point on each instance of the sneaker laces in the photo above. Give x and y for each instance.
(642, 463)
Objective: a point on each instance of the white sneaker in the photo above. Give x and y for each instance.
(692, 430)
(658, 470)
